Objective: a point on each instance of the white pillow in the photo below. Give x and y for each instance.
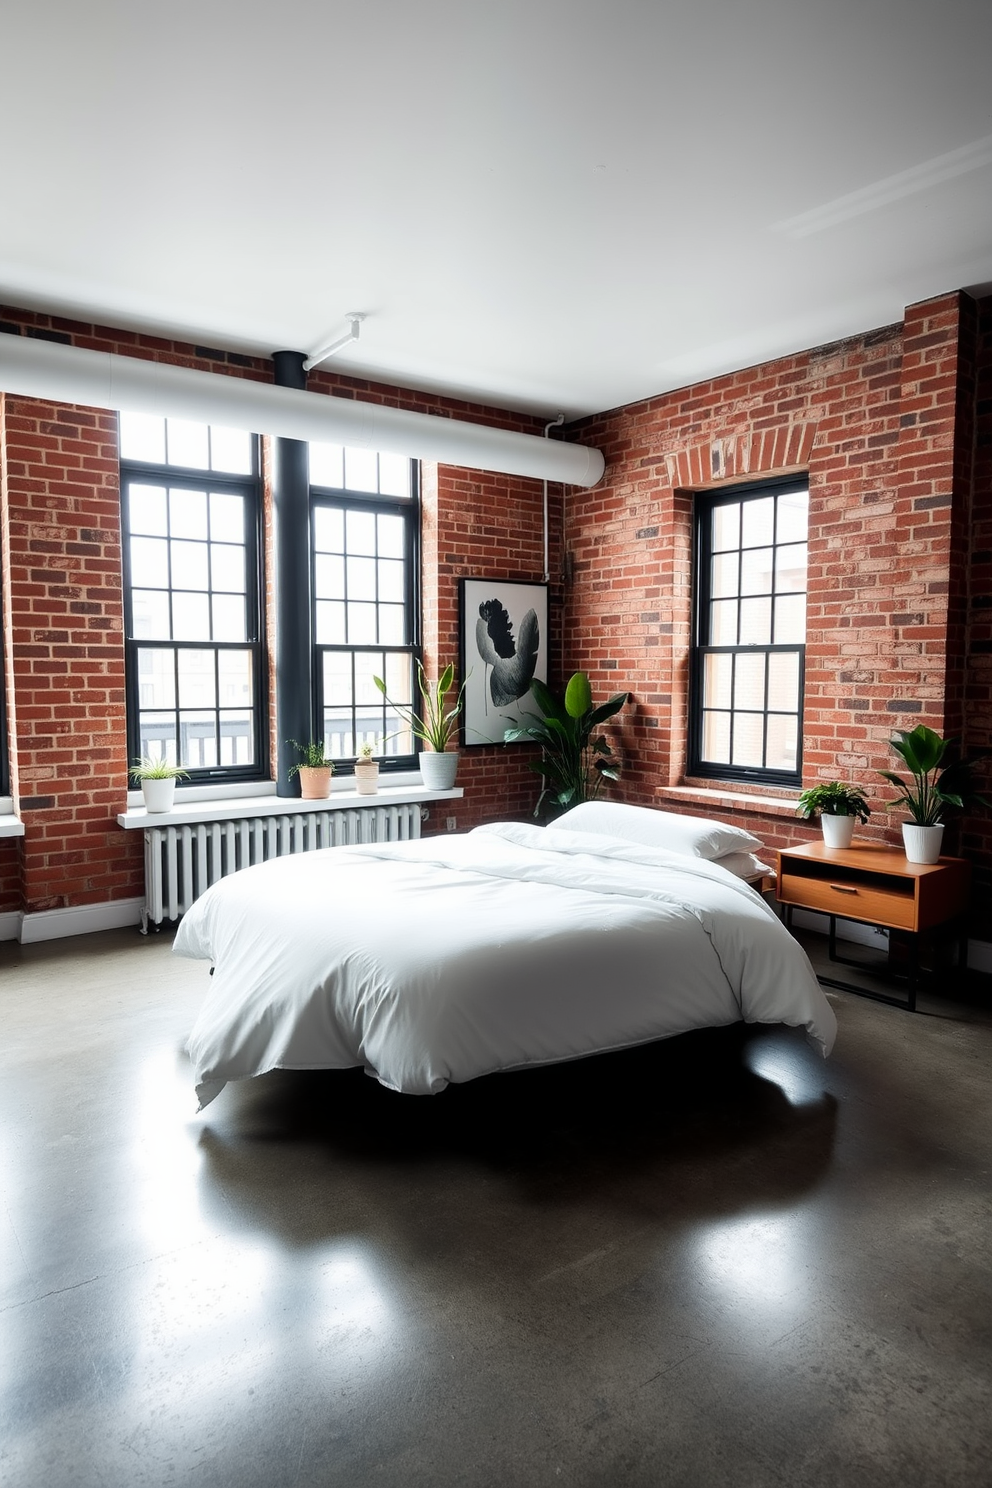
(696, 836)
(742, 864)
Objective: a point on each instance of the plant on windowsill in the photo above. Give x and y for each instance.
(314, 769)
(575, 758)
(157, 779)
(434, 724)
(935, 786)
(838, 806)
(366, 771)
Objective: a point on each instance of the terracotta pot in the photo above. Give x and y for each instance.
(367, 777)
(315, 782)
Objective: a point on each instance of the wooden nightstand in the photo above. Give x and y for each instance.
(874, 885)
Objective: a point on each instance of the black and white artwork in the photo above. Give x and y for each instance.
(504, 629)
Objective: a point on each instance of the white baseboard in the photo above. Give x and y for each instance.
(80, 919)
(10, 925)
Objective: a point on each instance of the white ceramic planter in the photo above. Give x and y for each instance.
(159, 794)
(922, 844)
(367, 777)
(838, 831)
(438, 770)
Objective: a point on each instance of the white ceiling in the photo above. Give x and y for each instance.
(553, 205)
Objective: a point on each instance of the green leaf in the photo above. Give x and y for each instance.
(578, 695)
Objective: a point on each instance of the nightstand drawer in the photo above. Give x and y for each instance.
(858, 901)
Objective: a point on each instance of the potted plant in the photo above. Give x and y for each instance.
(315, 770)
(366, 771)
(934, 787)
(838, 806)
(157, 779)
(575, 758)
(433, 724)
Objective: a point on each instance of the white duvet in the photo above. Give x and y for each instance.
(446, 958)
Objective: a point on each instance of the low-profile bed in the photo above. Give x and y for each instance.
(446, 958)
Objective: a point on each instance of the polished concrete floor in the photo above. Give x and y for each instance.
(714, 1261)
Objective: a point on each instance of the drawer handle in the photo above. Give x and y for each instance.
(843, 888)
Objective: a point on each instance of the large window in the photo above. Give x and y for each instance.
(365, 525)
(750, 634)
(4, 760)
(190, 515)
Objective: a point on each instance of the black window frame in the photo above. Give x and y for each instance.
(408, 508)
(250, 486)
(705, 503)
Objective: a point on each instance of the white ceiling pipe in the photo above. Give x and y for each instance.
(99, 379)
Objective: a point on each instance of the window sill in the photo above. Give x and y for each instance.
(244, 791)
(186, 813)
(725, 799)
(10, 825)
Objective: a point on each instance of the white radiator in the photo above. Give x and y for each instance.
(182, 861)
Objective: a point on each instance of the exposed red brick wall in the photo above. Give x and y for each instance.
(877, 422)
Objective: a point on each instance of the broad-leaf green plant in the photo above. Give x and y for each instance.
(834, 798)
(435, 721)
(575, 757)
(935, 785)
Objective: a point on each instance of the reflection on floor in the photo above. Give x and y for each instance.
(713, 1261)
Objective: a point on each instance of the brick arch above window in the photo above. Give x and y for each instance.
(735, 457)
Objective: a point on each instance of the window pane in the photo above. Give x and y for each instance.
(190, 617)
(337, 678)
(338, 734)
(783, 681)
(723, 623)
(328, 528)
(392, 537)
(790, 567)
(157, 733)
(361, 578)
(361, 532)
(716, 738)
(757, 522)
(329, 576)
(227, 567)
(150, 615)
(725, 575)
(394, 475)
(756, 622)
(229, 618)
(150, 562)
(749, 732)
(362, 628)
(790, 620)
(156, 678)
(726, 526)
(234, 678)
(189, 565)
(198, 740)
(147, 510)
(197, 687)
(330, 623)
(783, 735)
(142, 437)
(399, 739)
(230, 450)
(793, 517)
(749, 681)
(227, 518)
(717, 674)
(392, 625)
(392, 581)
(187, 444)
(236, 737)
(756, 571)
(187, 513)
(327, 465)
(398, 678)
(361, 470)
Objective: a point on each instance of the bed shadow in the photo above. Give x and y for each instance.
(628, 1130)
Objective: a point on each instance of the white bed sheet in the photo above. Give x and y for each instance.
(450, 957)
